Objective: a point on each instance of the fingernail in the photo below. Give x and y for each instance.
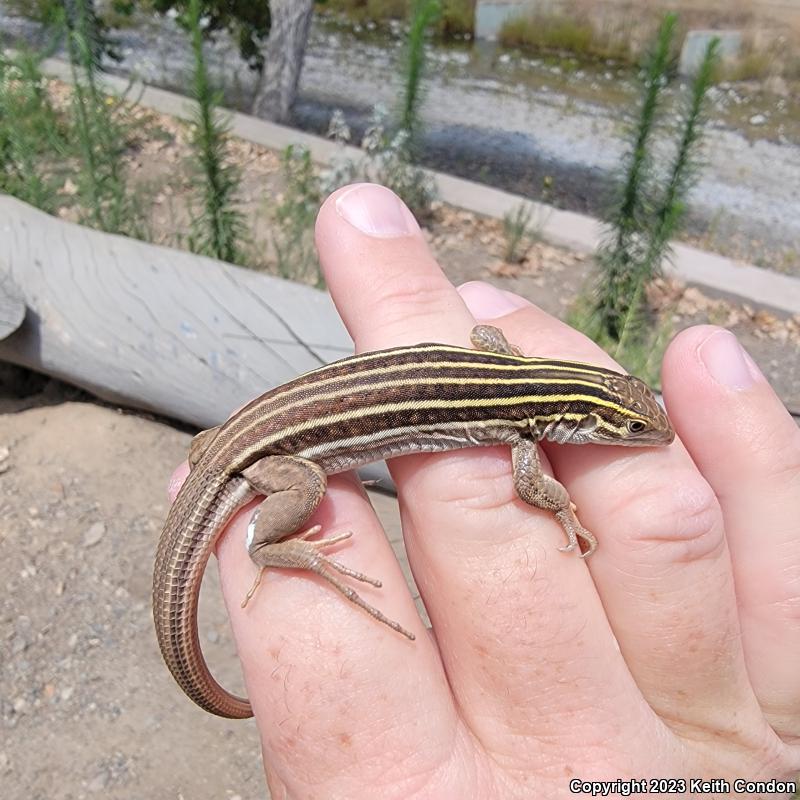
(488, 302)
(727, 362)
(376, 211)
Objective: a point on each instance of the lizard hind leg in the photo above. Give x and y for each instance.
(293, 488)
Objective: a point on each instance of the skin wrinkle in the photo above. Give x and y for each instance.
(407, 780)
(378, 732)
(400, 293)
(687, 520)
(456, 475)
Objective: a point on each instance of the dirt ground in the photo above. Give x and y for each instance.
(88, 708)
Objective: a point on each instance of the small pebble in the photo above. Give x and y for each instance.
(94, 534)
(98, 783)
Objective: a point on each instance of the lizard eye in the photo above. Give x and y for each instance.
(636, 425)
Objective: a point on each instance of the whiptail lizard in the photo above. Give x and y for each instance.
(424, 398)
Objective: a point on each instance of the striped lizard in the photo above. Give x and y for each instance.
(422, 398)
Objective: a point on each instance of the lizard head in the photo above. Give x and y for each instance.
(626, 413)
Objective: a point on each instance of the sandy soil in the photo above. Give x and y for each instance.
(88, 709)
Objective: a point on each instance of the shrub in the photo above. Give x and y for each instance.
(219, 229)
(649, 208)
(561, 33)
(30, 132)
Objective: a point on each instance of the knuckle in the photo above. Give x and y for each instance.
(406, 294)
(679, 516)
(475, 482)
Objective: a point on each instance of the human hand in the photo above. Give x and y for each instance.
(671, 653)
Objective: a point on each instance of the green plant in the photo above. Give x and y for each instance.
(523, 224)
(106, 202)
(648, 211)
(247, 22)
(457, 18)
(31, 133)
(385, 161)
(293, 238)
(364, 10)
(219, 229)
(388, 164)
(54, 14)
(623, 268)
(563, 33)
(516, 225)
(671, 208)
(423, 14)
(640, 351)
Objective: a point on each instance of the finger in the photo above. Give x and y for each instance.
(520, 629)
(176, 480)
(385, 283)
(662, 568)
(307, 655)
(748, 448)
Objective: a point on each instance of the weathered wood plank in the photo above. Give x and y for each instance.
(151, 327)
(12, 306)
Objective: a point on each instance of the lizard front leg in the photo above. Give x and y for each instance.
(294, 488)
(532, 485)
(542, 491)
(492, 340)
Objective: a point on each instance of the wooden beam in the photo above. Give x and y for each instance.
(146, 326)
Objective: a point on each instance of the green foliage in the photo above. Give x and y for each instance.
(624, 267)
(523, 225)
(101, 135)
(219, 228)
(388, 162)
(423, 14)
(671, 209)
(457, 17)
(247, 21)
(363, 10)
(293, 237)
(638, 349)
(649, 209)
(752, 66)
(563, 33)
(516, 225)
(44, 11)
(55, 14)
(30, 131)
(385, 161)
